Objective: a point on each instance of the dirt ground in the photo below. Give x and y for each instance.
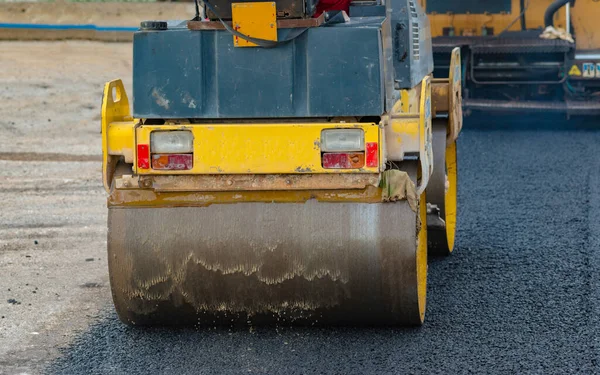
(101, 13)
(53, 272)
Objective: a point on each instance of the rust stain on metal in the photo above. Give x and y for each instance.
(127, 182)
(281, 23)
(252, 182)
(149, 198)
(440, 89)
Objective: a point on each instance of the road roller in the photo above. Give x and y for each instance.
(280, 163)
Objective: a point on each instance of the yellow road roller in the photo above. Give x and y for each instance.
(280, 163)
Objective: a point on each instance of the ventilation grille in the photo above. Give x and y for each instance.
(413, 9)
(415, 31)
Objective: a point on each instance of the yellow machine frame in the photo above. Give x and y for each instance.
(258, 148)
(584, 16)
(233, 157)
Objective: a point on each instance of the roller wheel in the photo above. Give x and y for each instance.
(301, 263)
(442, 193)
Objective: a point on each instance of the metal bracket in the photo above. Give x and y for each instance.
(127, 182)
(115, 107)
(256, 20)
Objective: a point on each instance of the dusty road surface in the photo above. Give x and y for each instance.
(520, 295)
(123, 14)
(52, 220)
(97, 13)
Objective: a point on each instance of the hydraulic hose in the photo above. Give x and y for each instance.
(523, 21)
(551, 10)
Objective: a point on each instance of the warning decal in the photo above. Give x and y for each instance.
(589, 70)
(574, 71)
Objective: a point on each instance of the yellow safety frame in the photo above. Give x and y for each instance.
(243, 148)
(255, 148)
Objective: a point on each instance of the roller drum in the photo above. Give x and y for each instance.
(442, 192)
(342, 263)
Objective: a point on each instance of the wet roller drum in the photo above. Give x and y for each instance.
(311, 262)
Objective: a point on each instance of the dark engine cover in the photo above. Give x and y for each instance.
(326, 71)
(339, 69)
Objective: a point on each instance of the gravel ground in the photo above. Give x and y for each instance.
(520, 295)
(110, 13)
(51, 92)
(53, 278)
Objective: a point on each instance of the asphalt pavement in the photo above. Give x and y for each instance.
(519, 295)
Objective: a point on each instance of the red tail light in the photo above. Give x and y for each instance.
(372, 154)
(143, 156)
(173, 162)
(343, 160)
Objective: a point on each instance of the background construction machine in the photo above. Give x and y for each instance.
(508, 67)
(277, 165)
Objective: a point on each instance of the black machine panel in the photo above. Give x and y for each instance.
(468, 6)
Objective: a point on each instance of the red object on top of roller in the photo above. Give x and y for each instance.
(327, 5)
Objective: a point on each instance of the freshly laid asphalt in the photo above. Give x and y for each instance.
(519, 295)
